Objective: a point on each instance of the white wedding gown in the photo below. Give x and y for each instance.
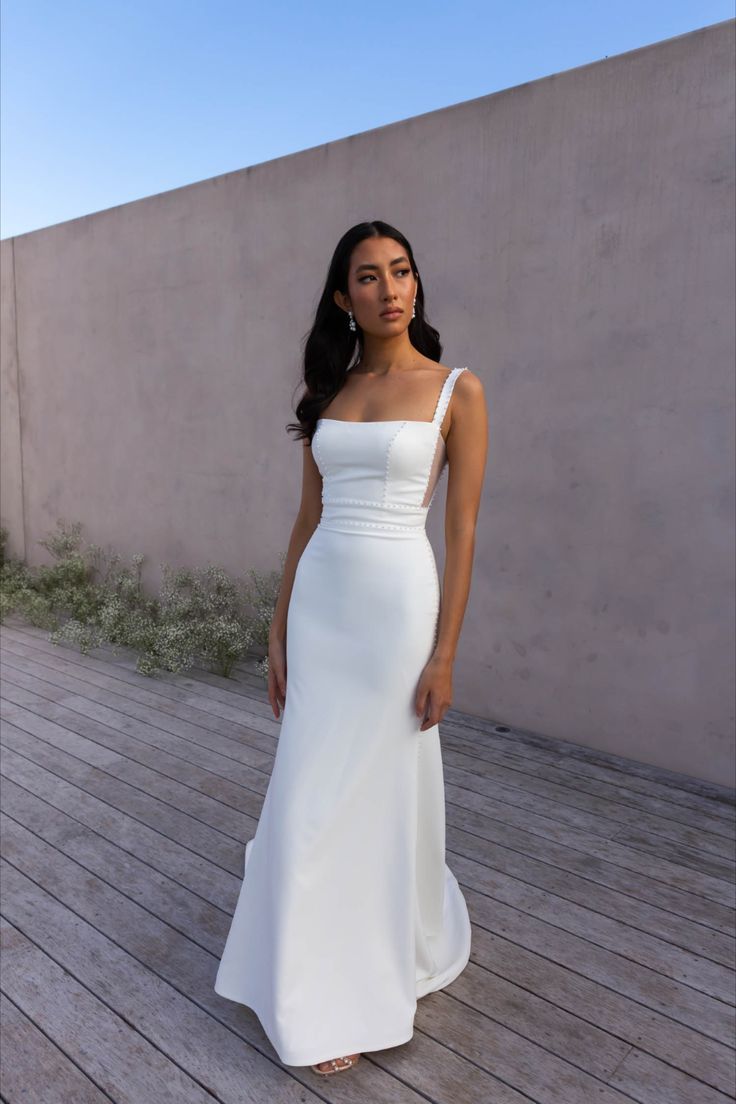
(347, 911)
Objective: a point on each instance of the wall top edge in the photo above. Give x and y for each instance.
(627, 55)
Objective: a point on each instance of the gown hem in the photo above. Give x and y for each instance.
(299, 1059)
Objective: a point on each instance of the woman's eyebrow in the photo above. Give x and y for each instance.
(394, 261)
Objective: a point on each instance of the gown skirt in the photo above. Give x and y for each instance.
(348, 912)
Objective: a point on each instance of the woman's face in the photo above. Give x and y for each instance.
(380, 279)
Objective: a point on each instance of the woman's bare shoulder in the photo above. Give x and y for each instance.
(470, 382)
(445, 369)
(469, 387)
(469, 398)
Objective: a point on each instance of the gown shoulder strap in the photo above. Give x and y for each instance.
(446, 395)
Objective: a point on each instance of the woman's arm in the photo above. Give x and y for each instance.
(307, 519)
(467, 449)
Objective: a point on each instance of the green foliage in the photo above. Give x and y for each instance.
(88, 598)
(261, 594)
(18, 592)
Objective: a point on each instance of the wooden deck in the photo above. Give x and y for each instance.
(601, 894)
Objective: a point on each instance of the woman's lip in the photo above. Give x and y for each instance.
(390, 314)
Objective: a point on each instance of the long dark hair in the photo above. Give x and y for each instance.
(331, 346)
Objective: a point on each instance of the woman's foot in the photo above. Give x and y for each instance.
(336, 1065)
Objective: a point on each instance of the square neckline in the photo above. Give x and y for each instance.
(379, 421)
(396, 421)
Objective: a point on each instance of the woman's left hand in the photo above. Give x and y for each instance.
(434, 692)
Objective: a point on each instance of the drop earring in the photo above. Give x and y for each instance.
(351, 322)
(414, 308)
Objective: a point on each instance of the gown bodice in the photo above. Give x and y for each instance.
(383, 474)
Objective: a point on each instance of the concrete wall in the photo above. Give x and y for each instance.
(575, 236)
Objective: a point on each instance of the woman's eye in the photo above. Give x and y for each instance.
(369, 277)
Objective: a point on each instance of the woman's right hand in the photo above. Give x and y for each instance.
(277, 674)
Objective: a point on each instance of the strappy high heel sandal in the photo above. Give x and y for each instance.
(335, 1067)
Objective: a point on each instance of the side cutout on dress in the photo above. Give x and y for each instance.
(438, 462)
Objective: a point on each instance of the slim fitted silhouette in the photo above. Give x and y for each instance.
(347, 911)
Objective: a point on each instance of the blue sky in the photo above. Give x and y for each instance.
(106, 102)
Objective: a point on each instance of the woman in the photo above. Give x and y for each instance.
(348, 912)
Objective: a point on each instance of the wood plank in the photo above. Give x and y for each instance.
(533, 1016)
(168, 822)
(213, 881)
(123, 1062)
(729, 892)
(174, 1040)
(620, 773)
(648, 1082)
(721, 948)
(578, 772)
(156, 978)
(195, 729)
(152, 786)
(709, 791)
(206, 769)
(560, 989)
(694, 793)
(671, 851)
(165, 854)
(224, 714)
(206, 927)
(594, 884)
(680, 889)
(485, 890)
(607, 828)
(710, 797)
(592, 911)
(722, 826)
(603, 930)
(122, 870)
(490, 1045)
(537, 782)
(716, 868)
(101, 902)
(542, 1021)
(232, 730)
(34, 1068)
(549, 971)
(258, 782)
(617, 936)
(150, 742)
